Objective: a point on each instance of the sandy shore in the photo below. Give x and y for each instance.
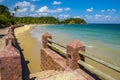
(22, 29)
(29, 45)
(26, 28)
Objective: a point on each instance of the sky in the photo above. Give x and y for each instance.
(93, 11)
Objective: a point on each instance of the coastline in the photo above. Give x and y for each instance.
(22, 29)
(27, 27)
(29, 46)
(32, 54)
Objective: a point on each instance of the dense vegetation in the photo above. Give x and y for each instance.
(36, 20)
(4, 16)
(74, 21)
(7, 19)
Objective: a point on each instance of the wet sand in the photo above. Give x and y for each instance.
(29, 45)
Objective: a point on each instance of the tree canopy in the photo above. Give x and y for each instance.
(4, 16)
(3, 9)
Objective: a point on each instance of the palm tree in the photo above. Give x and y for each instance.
(15, 10)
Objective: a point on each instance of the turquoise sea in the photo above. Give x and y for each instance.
(101, 40)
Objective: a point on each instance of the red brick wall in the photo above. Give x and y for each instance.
(51, 61)
(10, 64)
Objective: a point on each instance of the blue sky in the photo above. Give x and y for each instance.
(93, 11)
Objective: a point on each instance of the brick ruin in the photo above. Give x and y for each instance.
(50, 60)
(10, 59)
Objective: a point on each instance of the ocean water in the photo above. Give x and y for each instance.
(101, 40)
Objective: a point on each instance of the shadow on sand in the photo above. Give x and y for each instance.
(25, 68)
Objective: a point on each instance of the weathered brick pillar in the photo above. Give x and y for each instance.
(73, 54)
(45, 39)
(10, 39)
(43, 54)
(10, 64)
(10, 29)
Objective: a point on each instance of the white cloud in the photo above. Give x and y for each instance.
(88, 17)
(34, 15)
(56, 3)
(76, 16)
(90, 10)
(55, 10)
(43, 9)
(97, 15)
(1, 0)
(97, 18)
(104, 18)
(38, 14)
(23, 4)
(35, 0)
(102, 10)
(109, 10)
(42, 14)
(113, 10)
(67, 9)
(22, 10)
(64, 16)
(107, 17)
(58, 10)
(25, 9)
(32, 8)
